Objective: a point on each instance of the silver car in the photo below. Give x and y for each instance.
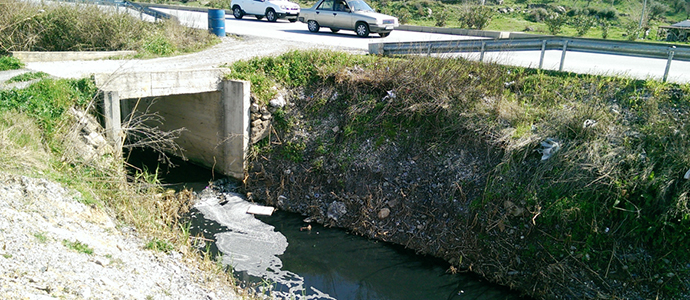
(354, 15)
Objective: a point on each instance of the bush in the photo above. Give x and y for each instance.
(605, 26)
(583, 23)
(656, 10)
(475, 17)
(555, 23)
(441, 17)
(609, 13)
(538, 15)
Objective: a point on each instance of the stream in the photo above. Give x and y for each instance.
(284, 257)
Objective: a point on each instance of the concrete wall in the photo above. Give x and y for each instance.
(214, 112)
(33, 56)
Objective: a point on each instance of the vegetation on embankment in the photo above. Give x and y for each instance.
(451, 157)
(42, 137)
(26, 26)
(9, 63)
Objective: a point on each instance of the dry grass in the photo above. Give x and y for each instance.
(75, 27)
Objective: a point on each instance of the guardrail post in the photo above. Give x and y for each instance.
(481, 55)
(428, 50)
(543, 50)
(671, 52)
(565, 47)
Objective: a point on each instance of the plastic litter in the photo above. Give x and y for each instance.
(589, 123)
(549, 148)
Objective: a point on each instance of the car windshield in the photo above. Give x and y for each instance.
(359, 5)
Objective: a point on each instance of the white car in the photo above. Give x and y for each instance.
(354, 15)
(271, 9)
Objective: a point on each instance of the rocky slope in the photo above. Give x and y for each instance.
(53, 246)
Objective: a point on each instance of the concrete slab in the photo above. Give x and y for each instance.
(41, 56)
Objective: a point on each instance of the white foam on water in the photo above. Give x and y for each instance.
(253, 246)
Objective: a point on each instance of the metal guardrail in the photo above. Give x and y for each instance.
(635, 49)
(127, 4)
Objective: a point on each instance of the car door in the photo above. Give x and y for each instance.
(342, 15)
(255, 7)
(324, 13)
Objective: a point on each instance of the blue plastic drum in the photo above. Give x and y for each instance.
(216, 21)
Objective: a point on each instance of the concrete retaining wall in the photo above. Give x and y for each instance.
(34, 56)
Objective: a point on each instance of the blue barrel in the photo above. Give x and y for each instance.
(216, 21)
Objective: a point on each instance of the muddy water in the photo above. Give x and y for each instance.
(321, 263)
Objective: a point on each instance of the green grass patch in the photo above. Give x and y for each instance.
(78, 246)
(159, 245)
(10, 63)
(28, 77)
(41, 237)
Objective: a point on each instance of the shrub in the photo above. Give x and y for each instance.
(475, 17)
(609, 13)
(441, 16)
(656, 10)
(538, 15)
(632, 30)
(583, 23)
(605, 25)
(555, 23)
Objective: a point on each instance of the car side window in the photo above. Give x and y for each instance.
(326, 5)
(341, 5)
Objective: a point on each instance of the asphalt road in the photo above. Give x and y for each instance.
(601, 64)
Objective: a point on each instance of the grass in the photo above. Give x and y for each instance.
(616, 184)
(41, 237)
(78, 246)
(35, 126)
(74, 27)
(28, 77)
(10, 63)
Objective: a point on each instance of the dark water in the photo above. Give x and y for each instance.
(337, 263)
(346, 266)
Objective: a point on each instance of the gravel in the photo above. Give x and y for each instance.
(38, 218)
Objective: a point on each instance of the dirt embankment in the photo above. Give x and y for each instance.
(424, 197)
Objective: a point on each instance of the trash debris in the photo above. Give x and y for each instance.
(589, 123)
(509, 84)
(550, 147)
(687, 175)
(391, 95)
(260, 210)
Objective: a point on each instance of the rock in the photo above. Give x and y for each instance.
(384, 213)
(336, 210)
(254, 108)
(278, 102)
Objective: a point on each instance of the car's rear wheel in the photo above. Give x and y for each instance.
(334, 30)
(362, 29)
(258, 17)
(313, 26)
(237, 12)
(271, 15)
(384, 34)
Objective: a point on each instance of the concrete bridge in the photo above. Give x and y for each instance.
(214, 112)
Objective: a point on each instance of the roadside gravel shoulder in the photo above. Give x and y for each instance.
(39, 219)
